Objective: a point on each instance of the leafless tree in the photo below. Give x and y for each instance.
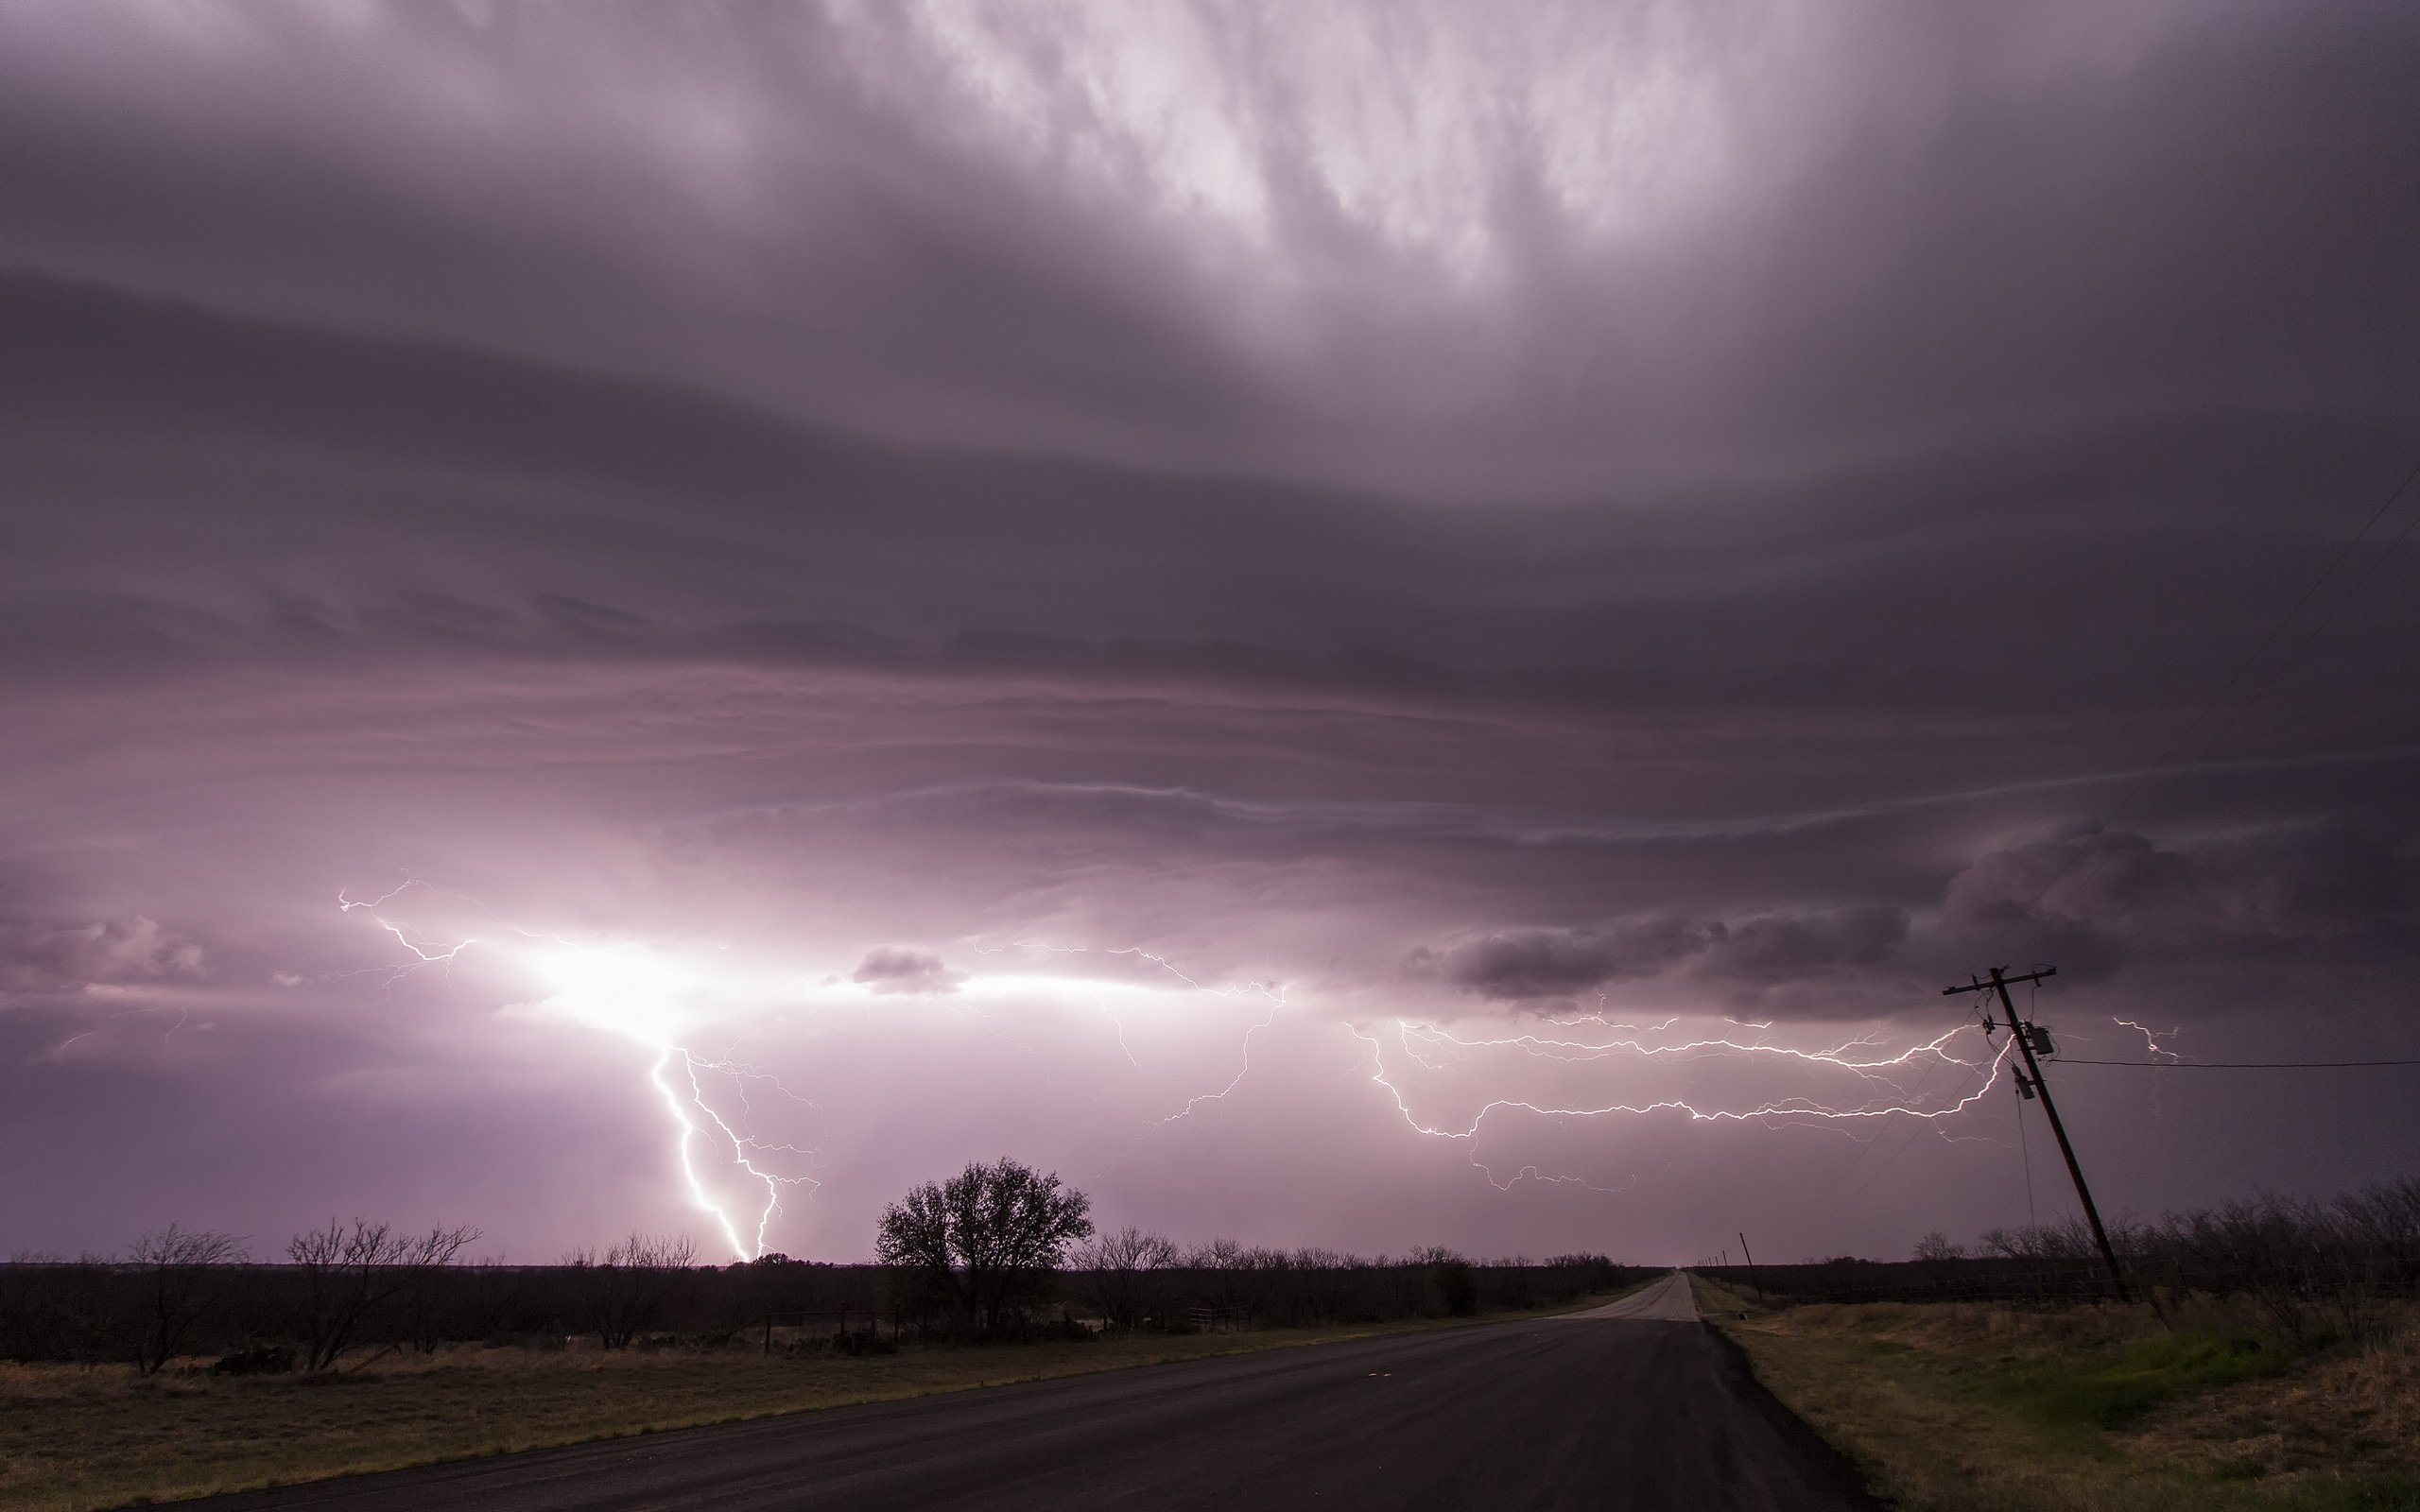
(984, 1242)
(1936, 1247)
(625, 1290)
(349, 1273)
(1117, 1270)
(185, 1272)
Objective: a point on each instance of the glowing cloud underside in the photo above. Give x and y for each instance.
(660, 1000)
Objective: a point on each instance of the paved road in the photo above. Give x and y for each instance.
(1601, 1413)
(1669, 1300)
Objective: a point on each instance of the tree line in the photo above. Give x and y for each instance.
(2313, 1267)
(999, 1252)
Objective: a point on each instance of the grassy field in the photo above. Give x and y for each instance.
(1976, 1408)
(75, 1439)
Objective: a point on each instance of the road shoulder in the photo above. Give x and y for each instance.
(2032, 1416)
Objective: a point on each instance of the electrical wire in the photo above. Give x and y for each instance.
(2238, 1065)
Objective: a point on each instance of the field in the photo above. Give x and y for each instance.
(1969, 1407)
(77, 1437)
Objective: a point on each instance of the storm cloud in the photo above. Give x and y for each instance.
(532, 533)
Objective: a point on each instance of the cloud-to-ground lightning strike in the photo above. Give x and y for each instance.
(620, 988)
(626, 990)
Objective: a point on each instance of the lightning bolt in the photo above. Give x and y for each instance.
(628, 1002)
(634, 992)
(1428, 1045)
(2152, 1037)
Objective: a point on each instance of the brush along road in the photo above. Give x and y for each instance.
(1625, 1407)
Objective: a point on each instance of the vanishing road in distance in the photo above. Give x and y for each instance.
(1635, 1405)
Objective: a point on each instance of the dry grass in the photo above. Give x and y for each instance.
(73, 1439)
(1975, 1408)
(2361, 1412)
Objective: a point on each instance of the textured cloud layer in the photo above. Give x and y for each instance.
(1066, 579)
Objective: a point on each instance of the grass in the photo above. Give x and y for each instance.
(73, 1440)
(1974, 1408)
(2119, 1391)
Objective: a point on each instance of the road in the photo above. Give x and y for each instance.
(1634, 1406)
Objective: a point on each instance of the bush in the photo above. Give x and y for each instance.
(256, 1360)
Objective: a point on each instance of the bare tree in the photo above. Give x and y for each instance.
(1117, 1273)
(627, 1288)
(986, 1241)
(1936, 1246)
(185, 1272)
(349, 1273)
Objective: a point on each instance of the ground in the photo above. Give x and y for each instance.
(78, 1438)
(1977, 1408)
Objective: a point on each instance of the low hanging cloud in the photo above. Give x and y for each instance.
(1522, 964)
(2108, 897)
(887, 968)
(2091, 899)
(49, 956)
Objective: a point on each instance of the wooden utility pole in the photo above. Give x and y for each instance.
(2029, 1082)
(1752, 1268)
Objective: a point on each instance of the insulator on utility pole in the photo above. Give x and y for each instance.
(2029, 1085)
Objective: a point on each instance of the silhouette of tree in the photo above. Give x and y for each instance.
(186, 1271)
(985, 1242)
(625, 1290)
(350, 1272)
(1115, 1273)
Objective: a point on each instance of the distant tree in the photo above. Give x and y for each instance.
(626, 1289)
(1935, 1247)
(349, 1273)
(1218, 1254)
(986, 1241)
(185, 1272)
(1117, 1269)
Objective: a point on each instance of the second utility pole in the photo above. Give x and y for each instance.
(2030, 1077)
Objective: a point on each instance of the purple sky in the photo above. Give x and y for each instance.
(1213, 597)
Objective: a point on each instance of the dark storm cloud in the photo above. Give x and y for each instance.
(2327, 891)
(1541, 963)
(1645, 240)
(1702, 504)
(1562, 963)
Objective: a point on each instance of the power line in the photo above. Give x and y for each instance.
(2033, 1043)
(2237, 1065)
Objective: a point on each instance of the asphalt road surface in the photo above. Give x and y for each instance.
(1604, 1410)
(1669, 1300)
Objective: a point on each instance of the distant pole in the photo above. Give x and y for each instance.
(1752, 1268)
(2031, 1077)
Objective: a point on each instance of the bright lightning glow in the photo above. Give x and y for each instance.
(660, 1000)
(1429, 1046)
(648, 997)
(2152, 1037)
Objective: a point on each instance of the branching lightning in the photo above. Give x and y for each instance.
(1432, 1048)
(2152, 1037)
(640, 994)
(623, 989)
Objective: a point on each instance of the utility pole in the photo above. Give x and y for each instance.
(2030, 1084)
(1751, 1269)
